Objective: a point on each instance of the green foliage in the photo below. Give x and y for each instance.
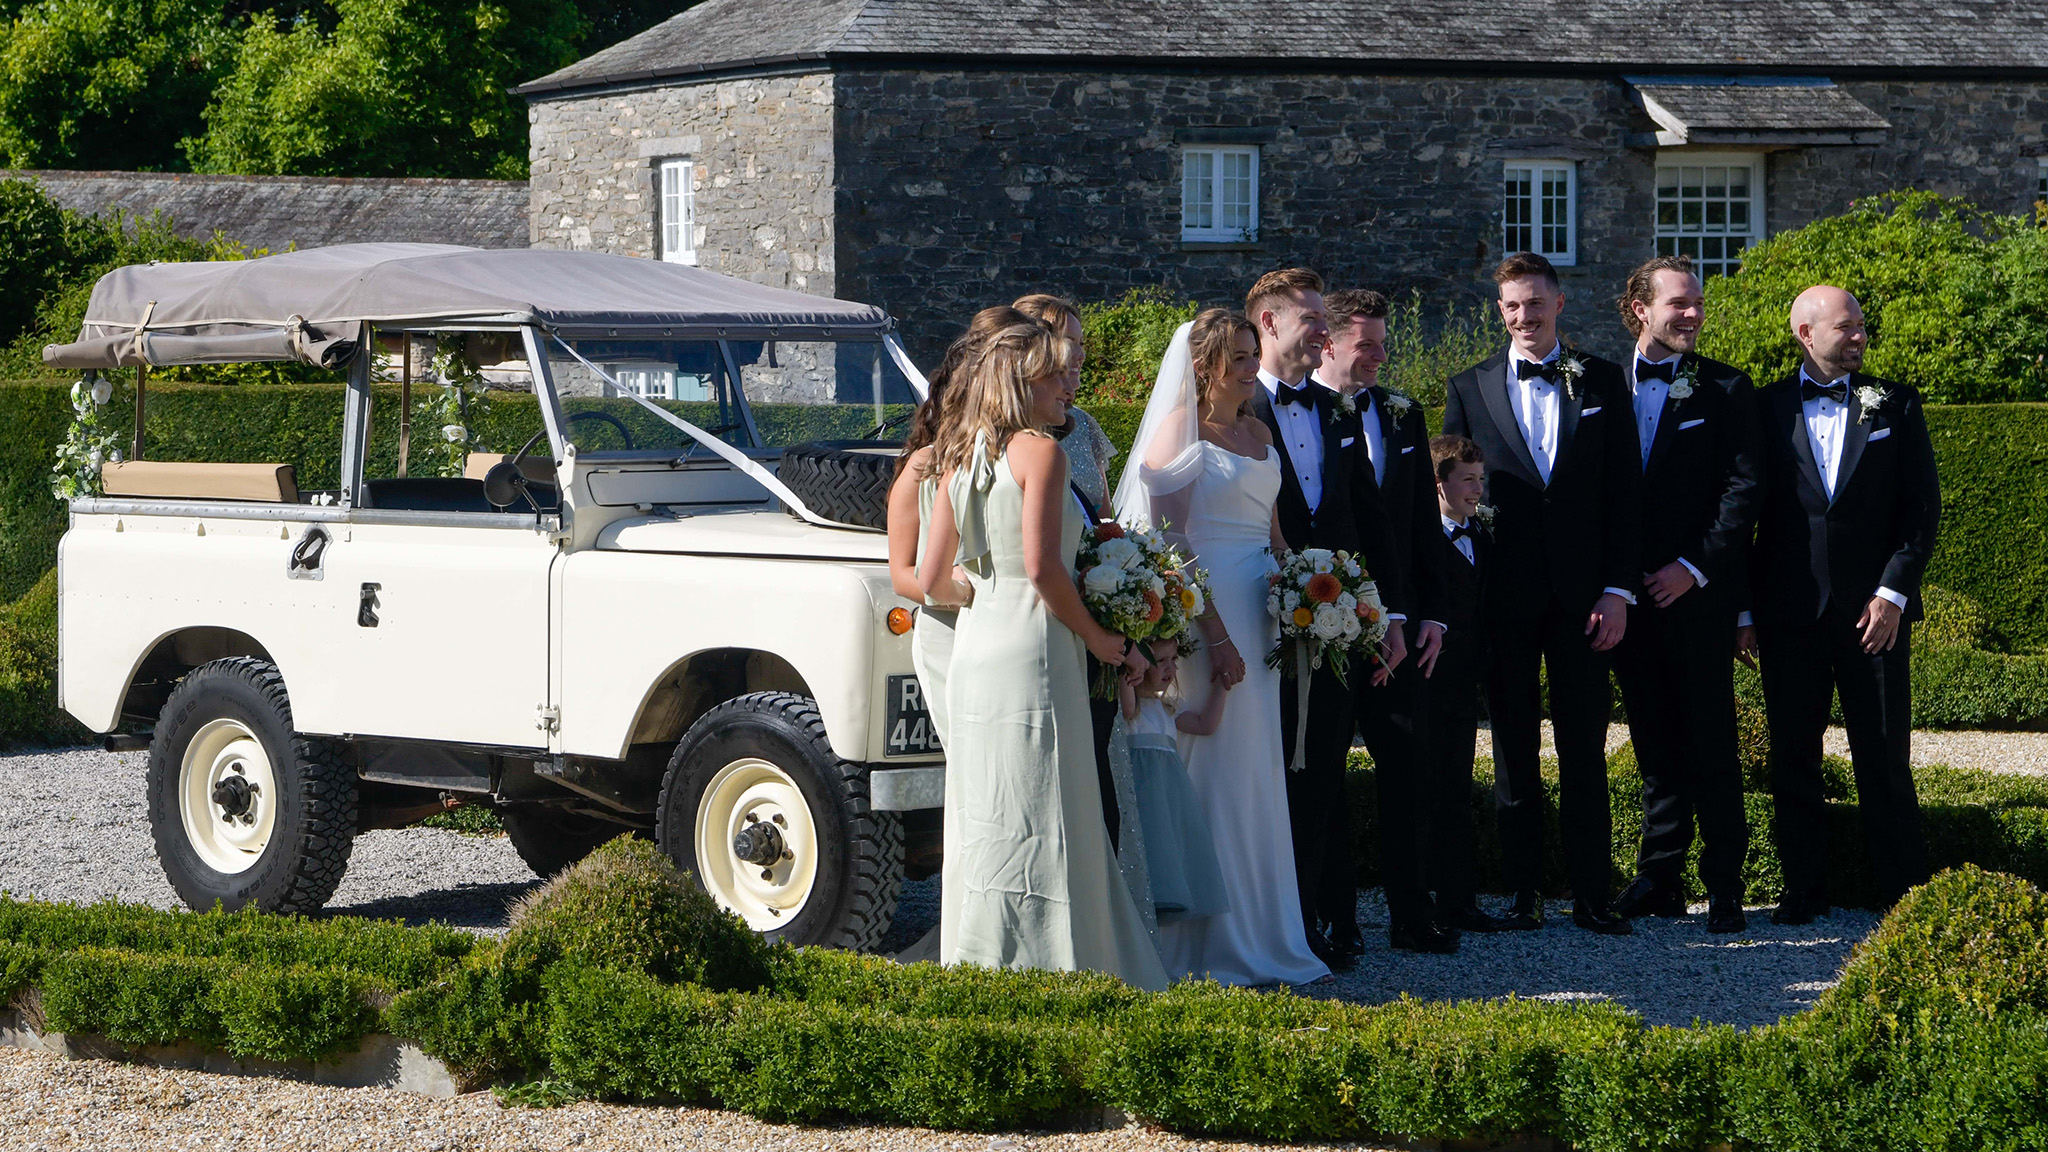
(108, 84)
(470, 820)
(627, 906)
(28, 670)
(1126, 338)
(1968, 941)
(446, 409)
(484, 1019)
(42, 247)
(1427, 346)
(1956, 298)
(395, 88)
(1994, 516)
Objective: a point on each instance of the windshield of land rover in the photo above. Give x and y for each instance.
(757, 395)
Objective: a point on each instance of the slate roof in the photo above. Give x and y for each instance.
(1635, 35)
(1755, 109)
(280, 212)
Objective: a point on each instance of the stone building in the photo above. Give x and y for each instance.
(934, 156)
(281, 212)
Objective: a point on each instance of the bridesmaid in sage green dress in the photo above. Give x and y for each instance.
(1029, 878)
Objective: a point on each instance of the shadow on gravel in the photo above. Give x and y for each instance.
(478, 906)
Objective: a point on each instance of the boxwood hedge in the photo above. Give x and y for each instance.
(1945, 1006)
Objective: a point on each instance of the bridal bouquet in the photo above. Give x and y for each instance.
(1136, 582)
(1327, 606)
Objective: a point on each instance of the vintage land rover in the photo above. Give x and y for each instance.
(668, 612)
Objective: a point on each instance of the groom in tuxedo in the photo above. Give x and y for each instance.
(1563, 475)
(1702, 483)
(1319, 453)
(1849, 515)
(1393, 483)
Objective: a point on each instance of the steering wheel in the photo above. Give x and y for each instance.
(891, 422)
(608, 418)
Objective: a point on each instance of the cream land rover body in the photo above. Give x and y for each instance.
(635, 626)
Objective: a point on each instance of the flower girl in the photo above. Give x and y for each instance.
(1180, 852)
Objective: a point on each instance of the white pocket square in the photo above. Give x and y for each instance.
(1589, 412)
(1692, 423)
(1408, 449)
(1347, 442)
(1877, 435)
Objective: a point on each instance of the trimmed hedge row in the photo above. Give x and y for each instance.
(1946, 1005)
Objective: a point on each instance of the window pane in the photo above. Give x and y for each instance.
(1235, 193)
(686, 212)
(1715, 202)
(1198, 190)
(1518, 211)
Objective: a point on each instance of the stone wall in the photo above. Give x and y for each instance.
(764, 187)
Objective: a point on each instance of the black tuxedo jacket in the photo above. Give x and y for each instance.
(1582, 531)
(1405, 497)
(1703, 486)
(1342, 520)
(1456, 582)
(1877, 531)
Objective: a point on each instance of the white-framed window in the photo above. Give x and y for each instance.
(1219, 193)
(1710, 206)
(1540, 209)
(659, 380)
(678, 211)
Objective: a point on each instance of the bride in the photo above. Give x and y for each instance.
(1206, 470)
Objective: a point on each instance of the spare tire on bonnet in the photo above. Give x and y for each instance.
(843, 480)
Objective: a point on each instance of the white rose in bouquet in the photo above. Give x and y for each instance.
(1352, 569)
(1329, 622)
(1119, 553)
(1102, 580)
(1351, 626)
(1290, 602)
(1272, 604)
(1157, 584)
(1348, 602)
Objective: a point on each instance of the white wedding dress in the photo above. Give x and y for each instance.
(1224, 512)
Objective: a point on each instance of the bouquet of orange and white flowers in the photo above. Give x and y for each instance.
(1328, 606)
(1136, 582)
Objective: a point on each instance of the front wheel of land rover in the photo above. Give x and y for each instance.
(777, 828)
(244, 810)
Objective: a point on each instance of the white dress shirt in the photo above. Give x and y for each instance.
(1302, 432)
(1462, 543)
(1649, 401)
(1827, 426)
(1535, 402)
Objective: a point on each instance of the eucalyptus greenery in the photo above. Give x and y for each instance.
(450, 413)
(88, 443)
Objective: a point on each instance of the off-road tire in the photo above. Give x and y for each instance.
(851, 487)
(315, 826)
(860, 851)
(550, 840)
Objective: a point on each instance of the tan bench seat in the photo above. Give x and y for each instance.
(538, 469)
(271, 483)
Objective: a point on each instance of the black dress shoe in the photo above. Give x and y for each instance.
(1646, 897)
(1725, 915)
(1336, 961)
(1469, 919)
(1348, 941)
(1595, 918)
(1423, 937)
(1794, 912)
(1526, 915)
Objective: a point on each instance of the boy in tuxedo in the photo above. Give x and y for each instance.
(1565, 475)
(1848, 521)
(1451, 657)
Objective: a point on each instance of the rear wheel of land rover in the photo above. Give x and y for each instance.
(243, 809)
(777, 828)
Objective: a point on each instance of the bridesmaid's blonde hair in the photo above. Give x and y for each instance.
(997, 398)
(1211, 344)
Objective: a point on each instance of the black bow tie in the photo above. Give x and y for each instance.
(1838, 392)
(1524, 369)
(1290, 394)
(1648, 371)
(1462, 530)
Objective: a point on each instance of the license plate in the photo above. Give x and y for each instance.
(910, 721)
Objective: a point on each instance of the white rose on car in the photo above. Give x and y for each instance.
(1329, 622)
(1102, 580)
(102, 391)
(1119, 553)
(454, 433)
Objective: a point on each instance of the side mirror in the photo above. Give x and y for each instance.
(504, 484)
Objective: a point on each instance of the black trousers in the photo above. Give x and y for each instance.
(1677, 671)
(1102, 717)
(1387, 721)
(1554, 640)
(1448, 725)
(1323, 868)
(1804, 665)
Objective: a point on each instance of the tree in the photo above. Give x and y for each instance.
(398, 88)
(108, 83)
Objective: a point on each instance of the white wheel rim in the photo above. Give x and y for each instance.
(229, 835)
(746, 792)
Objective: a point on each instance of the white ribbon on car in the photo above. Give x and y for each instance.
(724, 451)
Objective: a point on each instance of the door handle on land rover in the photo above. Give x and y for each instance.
(309, 554)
